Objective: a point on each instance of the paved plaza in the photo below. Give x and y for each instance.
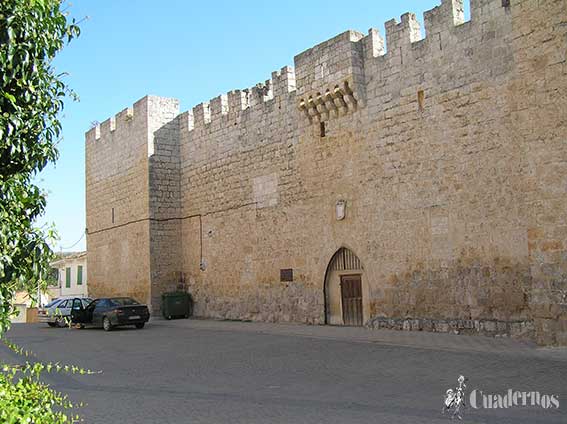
(197, 371)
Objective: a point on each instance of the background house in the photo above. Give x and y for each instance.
(69, 279)
(71, 275)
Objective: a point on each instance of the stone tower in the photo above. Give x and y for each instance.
(119, 155)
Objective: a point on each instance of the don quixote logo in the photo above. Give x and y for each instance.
(455, 400)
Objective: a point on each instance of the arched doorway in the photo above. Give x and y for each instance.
(343, 289)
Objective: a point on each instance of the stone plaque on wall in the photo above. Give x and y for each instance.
(286, 275)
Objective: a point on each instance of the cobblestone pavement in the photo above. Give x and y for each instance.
(196, 371)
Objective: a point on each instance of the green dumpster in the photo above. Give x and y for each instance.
(176, 305)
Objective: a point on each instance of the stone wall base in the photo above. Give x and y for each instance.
(289, 302)
(516, 329)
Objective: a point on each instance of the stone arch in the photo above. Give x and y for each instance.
(343, 264)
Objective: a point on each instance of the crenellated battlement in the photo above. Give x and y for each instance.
(373, 44)
(442, 18)
(121, 120)
(219, 106)
(238, 100)
(401, 34)
(283, 81)
(235, 102)
(329, 80)
(202, 114)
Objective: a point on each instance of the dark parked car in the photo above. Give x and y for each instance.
(110, 312)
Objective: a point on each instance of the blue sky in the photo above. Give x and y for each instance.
(193, 51)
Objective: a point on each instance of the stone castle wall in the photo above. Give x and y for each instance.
(449, 152)
(117, 202)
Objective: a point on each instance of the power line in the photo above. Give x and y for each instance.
(76, 243)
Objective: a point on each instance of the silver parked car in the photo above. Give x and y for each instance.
(57, 313)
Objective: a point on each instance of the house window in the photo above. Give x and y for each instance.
(79, 275)
(53, 277)
(68, 277)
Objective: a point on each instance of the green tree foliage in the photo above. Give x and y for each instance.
(24, 398)
(32, 32)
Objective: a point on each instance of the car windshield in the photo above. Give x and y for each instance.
(123, 301)
(52, 303)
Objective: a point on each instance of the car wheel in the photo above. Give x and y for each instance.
(60, 323)
(106, 324)
(140, 325)
(52, 324)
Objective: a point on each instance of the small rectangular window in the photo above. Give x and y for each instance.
(79, 275)
(421, 100)
(322, 129)
(505, 3)
(286, 275)
(113, 215)
(68, 277)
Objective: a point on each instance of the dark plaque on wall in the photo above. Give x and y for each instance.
(286, 274)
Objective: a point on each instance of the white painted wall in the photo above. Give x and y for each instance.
(74, 289)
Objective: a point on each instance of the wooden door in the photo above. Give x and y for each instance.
(351, 294)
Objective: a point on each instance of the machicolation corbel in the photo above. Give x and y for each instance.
(331, 104)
